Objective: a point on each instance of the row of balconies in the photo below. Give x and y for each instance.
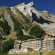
(37, 44)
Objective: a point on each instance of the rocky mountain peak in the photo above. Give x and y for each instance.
(31, 4)
(22, 4)
(27, 9)
(44, 18)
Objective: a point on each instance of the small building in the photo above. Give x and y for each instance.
(17, 44)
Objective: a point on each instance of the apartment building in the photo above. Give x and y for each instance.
(48, 42)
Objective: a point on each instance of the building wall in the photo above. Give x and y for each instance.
(47, 43)
(31, 44)
(17, 45)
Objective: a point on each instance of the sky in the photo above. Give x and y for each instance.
(40, 5)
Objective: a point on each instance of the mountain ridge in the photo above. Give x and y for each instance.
(26, 16)
(44, 18)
